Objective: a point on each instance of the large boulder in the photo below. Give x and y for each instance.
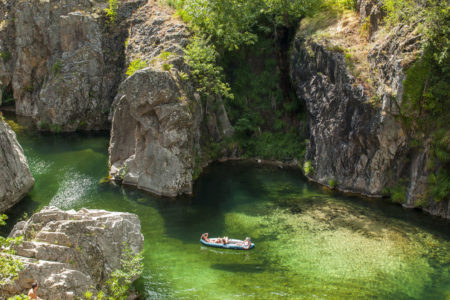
(158, 120)
(71, 252)
(15, 176)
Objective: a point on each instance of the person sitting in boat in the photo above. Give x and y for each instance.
(225, 240)
(205, 237)
(247, 243)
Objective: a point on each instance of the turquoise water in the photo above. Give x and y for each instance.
(310, 243)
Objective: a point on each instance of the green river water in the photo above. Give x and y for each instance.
(310, 244)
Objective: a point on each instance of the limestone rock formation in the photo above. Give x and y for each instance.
(350, 141)
(157, 120)
(59, 62)
(15, 176)
(71, 252)
(355, 138)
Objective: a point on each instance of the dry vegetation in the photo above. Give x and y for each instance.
(341, 31)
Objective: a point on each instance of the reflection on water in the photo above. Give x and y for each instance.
(309, 243)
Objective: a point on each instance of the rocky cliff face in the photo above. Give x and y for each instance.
(356, 141)
(71, 252)
(15, 176)
(158, 118)
(56, 61)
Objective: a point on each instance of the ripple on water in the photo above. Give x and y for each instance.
(72, 190)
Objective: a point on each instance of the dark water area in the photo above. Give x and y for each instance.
(310, 243)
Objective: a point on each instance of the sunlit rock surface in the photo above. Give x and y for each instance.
(355, 137)
(158, 120)
(64, 60)
(15, 176)
(71, 252)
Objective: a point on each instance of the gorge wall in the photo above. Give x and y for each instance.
(15, 176)
(61, 61)
(356, 142)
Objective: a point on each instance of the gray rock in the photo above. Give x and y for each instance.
(15, 176)
(360, 145)
(153, 134)
(159, 122)
(71, 252)
(350, 140)
(66, 61)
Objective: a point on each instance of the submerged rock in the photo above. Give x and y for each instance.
(15, 176)
(71, 252)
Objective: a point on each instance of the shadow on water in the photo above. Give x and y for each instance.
(238, 268)
(21, 211)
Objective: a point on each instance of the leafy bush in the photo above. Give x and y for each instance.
(136, 65)
(19, 297)
(111, 11)
(57, 66)
(9, 266)
(233, 23)
(120, 281)
(5, 55)
(398, 194)
(341, 4)
(307, 167)
(332, 182)
(167, 67)
(201, 57)
(273, 145)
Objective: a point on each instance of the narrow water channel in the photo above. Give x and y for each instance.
(309, 243)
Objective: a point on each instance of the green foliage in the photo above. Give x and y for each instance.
(136, 65)
(56, 128)
(234, 54)
(332, 182)
(270, 145)
(201, 57)
(9, 266)
(424, 109)
(57, 66)
(398, 194)
(167, 67)
(341, 4)
(440, 187)
(120, 281)
(8, 98)
(19, 297)
(336, 48)
(5, 55)
(165, 55)
(231, 24)
(400, 10)
(88, 295)
(43, 125)
(308, 167)
(111, 11)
